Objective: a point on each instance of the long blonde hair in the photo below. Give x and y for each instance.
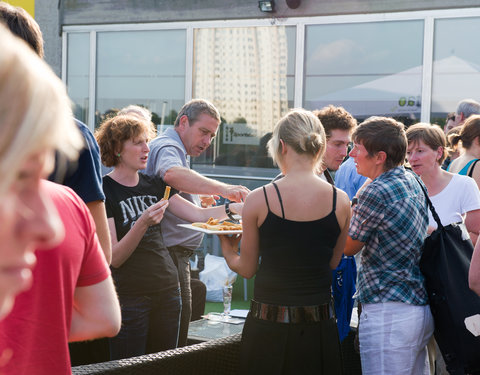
(35, 112)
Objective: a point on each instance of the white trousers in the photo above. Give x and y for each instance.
(393, 338)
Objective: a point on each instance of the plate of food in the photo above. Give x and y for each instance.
(214, 226)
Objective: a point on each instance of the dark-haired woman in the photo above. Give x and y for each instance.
(466, 163)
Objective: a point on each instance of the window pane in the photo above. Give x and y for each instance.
(248, 73)
(141, 67)
(456, 66)
(369, 69)
(78, 63)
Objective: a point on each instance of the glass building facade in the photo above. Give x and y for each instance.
(414, 66)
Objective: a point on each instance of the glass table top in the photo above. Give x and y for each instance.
(205, 329)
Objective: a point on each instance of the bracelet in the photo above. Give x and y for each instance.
(228, 211)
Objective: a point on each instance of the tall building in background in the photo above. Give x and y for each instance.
(243, 71)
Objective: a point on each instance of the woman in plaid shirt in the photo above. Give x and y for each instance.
(389, 223)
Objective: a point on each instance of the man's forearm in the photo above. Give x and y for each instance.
(189, 181)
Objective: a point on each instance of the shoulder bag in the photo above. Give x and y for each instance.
(444, 263)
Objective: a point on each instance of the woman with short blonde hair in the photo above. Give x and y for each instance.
(456, 198)
(35, 119)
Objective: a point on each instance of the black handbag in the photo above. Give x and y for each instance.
(445, 263)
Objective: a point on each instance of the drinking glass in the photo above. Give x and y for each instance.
(227, 300)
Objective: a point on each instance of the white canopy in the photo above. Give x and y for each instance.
(454, 79)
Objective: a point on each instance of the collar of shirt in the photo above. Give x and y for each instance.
(172, 133)
(392, 172)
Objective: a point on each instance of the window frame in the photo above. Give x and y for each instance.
(428, 17)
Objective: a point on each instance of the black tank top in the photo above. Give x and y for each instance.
(295, 256)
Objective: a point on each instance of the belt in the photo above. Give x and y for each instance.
(291, 314)
(181, 250)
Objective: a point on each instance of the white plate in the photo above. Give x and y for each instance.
(209, 231)
(239, 313)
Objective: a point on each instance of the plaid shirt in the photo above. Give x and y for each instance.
(391, 219)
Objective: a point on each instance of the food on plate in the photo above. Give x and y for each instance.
(215, 224)
(166, 194)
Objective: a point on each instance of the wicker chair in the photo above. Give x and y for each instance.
(220, 356)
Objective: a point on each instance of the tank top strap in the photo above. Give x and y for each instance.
(334, 205)
(280, 199)
(266, 199)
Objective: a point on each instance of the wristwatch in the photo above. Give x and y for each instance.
(228, 211)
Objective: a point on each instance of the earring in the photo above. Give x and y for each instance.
(118, 154)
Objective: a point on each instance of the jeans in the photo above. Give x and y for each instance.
(181, 258)
(149, 324)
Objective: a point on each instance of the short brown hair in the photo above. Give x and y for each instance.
(22, 25)
(333, 118)
(431, 135)
(469, 131)
(115, 131)
(383, 134)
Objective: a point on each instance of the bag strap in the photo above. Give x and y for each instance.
(470, 173)
(429, 202)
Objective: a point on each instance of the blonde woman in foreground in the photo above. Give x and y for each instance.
(298, 225)
(72, 296)
(35, 119)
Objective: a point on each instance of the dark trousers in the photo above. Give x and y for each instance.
(181, 258)
(86, 352)
(283, 348)
(199, 297)
(149, 324)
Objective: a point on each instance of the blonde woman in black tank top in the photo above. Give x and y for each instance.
(298, 227)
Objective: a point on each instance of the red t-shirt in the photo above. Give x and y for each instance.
(36, 331)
